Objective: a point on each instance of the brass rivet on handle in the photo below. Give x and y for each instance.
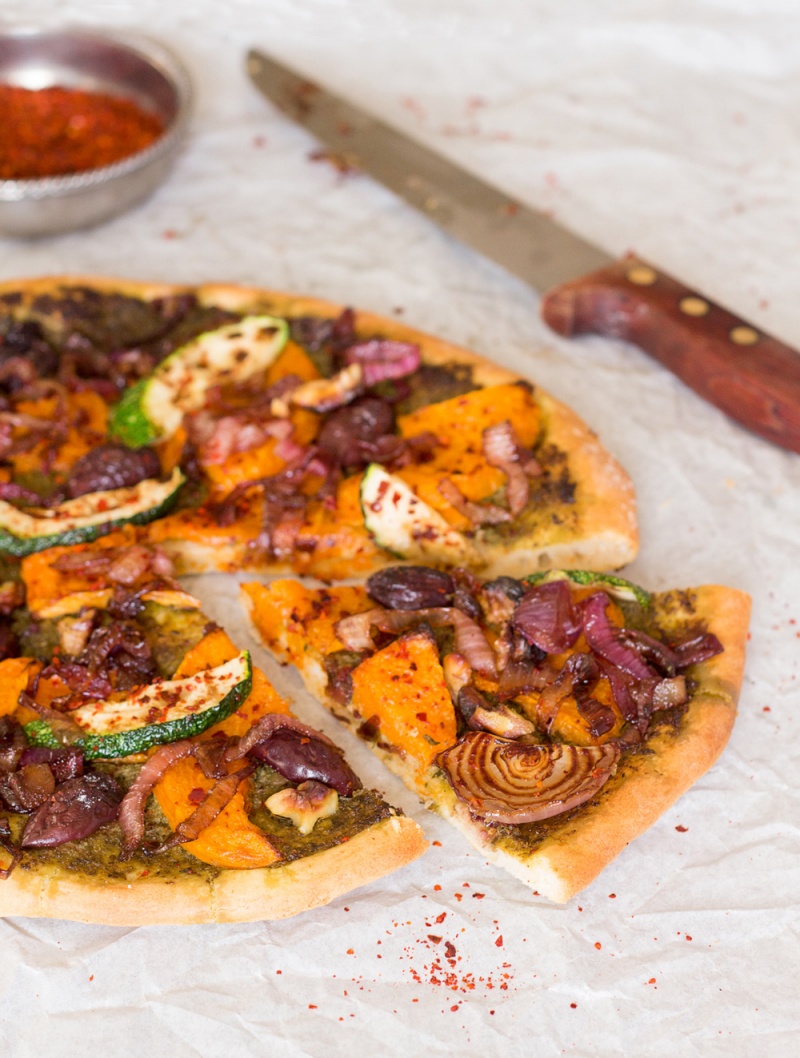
(744, 335)
(641, 275)
(693, 306)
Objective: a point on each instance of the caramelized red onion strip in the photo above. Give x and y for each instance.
(476, 513)
(383, 360)
(546, 617)
(64, 729)
(220, 795)
(697, 648)
(131, 811)
(516, 782)
(605, 641)
(470, 641)
(502, 450)
(521, 677)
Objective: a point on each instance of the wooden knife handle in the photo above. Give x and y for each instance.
(749, 375)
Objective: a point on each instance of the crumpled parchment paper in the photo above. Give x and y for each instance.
(668, 129)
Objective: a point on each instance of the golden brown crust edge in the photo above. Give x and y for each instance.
(606, 535)
(233, 896)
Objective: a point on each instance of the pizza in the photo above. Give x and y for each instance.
(149, 773)
(243, 428)
(552, 718)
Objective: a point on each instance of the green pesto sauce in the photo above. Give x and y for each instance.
(433, 383)
(38, 481)
(354, 814)
(37, 639)
(551, 512)
(113, 321)
(171, 634)
(99, 854)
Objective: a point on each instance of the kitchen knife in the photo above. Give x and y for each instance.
(751, 376)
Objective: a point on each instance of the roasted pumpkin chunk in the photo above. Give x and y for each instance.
(401, 691)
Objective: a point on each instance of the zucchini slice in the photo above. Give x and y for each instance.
(164, 711)
(24, 531)
(404, 524)
(153, 409)
(618, 587)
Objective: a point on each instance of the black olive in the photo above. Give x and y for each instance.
(411, 588)
(298, 758)
(77, 809)
(347, 430)
(112, 467)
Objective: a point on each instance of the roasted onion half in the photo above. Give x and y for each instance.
(504, 781)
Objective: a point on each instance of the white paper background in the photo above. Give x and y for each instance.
(670, 128)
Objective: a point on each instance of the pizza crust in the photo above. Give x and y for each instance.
(231, 896)
(602, 532)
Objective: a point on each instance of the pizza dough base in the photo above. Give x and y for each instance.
(233, 896)
(646, 785)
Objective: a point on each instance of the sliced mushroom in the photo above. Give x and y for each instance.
(457, 673)
(501, 721)
(305, 805)
(74, 632)
(324, 394)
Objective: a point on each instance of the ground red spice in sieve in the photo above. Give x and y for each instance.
(57, 131)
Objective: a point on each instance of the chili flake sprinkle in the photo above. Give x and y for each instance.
(56, 131)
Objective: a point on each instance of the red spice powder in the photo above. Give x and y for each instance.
(57, 131)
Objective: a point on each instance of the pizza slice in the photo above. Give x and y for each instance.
(251, 428)
(149, 773)
(551, 718)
